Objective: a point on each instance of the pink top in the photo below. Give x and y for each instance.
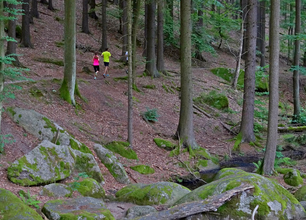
(96, 61)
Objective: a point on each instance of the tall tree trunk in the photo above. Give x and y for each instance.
(136, 13)
(169, 21)
(247, 121)
(261, 18)
(50, 5)
(160, 37)
(124, 28)
(296, 77)
(199, 32)
(85, 27)
(238, 58)
(34, 9)
(2, 64)
(290, 31)
(273, 88)
(11, 45)
(25, 32)
(244, 9)
(151, 59)
(130, 72)
(67, 89)
(44, 2)
(185, 128)
(145, 41)
(104, 28)
(92, 10)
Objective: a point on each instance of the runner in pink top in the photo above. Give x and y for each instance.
(96, 65)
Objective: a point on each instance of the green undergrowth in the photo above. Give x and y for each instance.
(122, 148)
(165, 144)
(213, 99)
(143, 169)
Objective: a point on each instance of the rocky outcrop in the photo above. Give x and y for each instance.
(137, 211)
(79, 208)
(152, 194)
(113, 165)
(274, 201)
(13, 208)
(56, 190)
(90, 187)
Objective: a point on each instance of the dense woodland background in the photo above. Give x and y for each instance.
(222, 39)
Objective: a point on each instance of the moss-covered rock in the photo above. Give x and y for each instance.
(44, 164)
(79, 208)
(143, 169)
(122, 148)
(113, 165)
(300, 194)
(76, 145)
(227, 74)
(56, 190)
(165, 144)
(152, 194)
(12, 207)
(90, 187)
(293, 178)
(214, 99)
(274, 201)
(137, 211)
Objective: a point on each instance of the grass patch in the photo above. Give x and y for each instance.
(122, 148)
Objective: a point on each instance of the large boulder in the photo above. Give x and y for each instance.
(38, 125)
(90, 187)
(79, 208)
(44, 164)
(137, 211)
(13, 208)
(274, 201)
(152, 194)
(113, 165)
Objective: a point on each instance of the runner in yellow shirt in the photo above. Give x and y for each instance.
(106, 55)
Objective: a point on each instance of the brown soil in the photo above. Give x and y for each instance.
(103, 117)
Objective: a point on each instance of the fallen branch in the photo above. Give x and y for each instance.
(131, 176)
(290, 129)
(192, 208)
(200, 110)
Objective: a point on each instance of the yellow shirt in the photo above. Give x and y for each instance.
(106, 56)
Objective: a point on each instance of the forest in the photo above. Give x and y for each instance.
(200, 116)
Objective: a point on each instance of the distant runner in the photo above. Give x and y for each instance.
(106, 55)
(95, 61)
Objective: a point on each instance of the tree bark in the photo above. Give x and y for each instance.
(25, 32)
(124, 28)
(85, 27)
(272, 137)
(261, 30)
(151, 59)
(2, 64)
(160, 37)
(44, 2)
(12, 45)
(238, 59)
(247, 121)
(67, 89)
(185, 127)
(296, 73)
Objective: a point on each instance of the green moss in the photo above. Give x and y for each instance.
(293, 178)
(202, 163)
(35, 92)
(143, 169)
(226, 74)
(83, 164)
(89, 187)
(49, 124)
(214, 99)
(83, 148)
(149, 86)
(283, 170)
(116, 79)
(11, 111)
(232, 184)
(202, 153)
(81, 214)
(122, 148)
(47, 192)
(59, 43)
(49, 60)
(11, 207)
(64, 91)
(168, 145)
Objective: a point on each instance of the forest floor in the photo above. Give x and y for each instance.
(103, 116)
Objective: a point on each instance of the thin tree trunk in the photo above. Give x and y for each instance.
(136, 13)
(44, 2)
(247, 121)
(34, 9)
(272, 137)
(296, 74)
(151, 59)
(85, 28)
(238, 61)
(261, 31)
(25, 32)
(130, 73)
(124, 28)
(145, 41)
(50, 5)
(160, 37)
(185, 128)
(92, 11)
(104, 28)
(2, 64)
